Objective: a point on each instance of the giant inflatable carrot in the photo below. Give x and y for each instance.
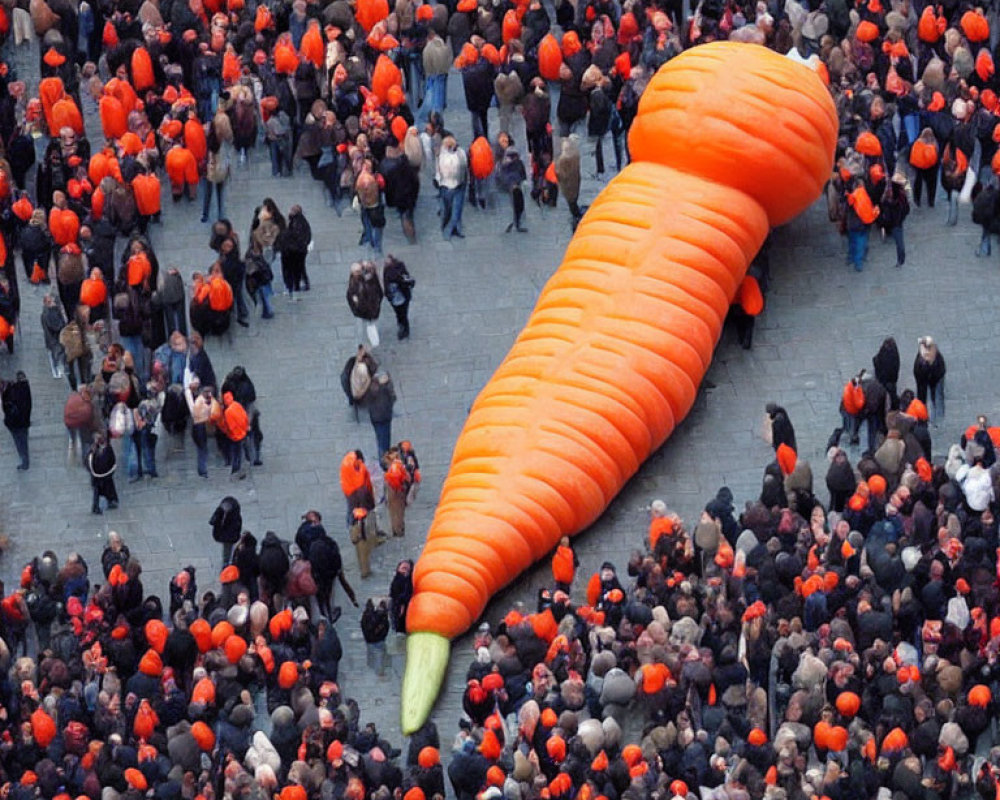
(730, 139)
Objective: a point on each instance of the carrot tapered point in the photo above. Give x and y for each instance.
(426, 662)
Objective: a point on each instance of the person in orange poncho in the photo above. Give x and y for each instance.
(564, 564)
(356, 484)
(236, 426)
(182, 170)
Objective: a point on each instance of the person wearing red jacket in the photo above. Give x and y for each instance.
(236, 425)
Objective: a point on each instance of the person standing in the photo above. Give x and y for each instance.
(380, 401)
(782, 431)
(236, 426)
(893, 210)
(293, 244)
(17, 415)
(375, 629)
(227, 525)
(364, 537)
(364, 297)
(452, 174)
(101, 463)
(356, 484)
(886, 364)
(928, 371)
(203, 407)
(400, 594)
(397, 486)
(398, 285)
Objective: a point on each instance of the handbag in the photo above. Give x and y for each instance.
(373, 337)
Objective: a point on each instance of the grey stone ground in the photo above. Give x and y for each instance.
(822, 323)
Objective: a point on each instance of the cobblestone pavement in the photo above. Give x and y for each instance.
(822, 323)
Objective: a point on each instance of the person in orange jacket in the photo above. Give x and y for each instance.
(236, 425)
(182, 170)
(564, 564)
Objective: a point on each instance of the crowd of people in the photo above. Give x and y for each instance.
(794, 649)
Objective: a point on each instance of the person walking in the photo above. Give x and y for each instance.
(293, 244)
(259, 278)
(218, 167)
(375, 629)
(380, 401)
(893, 210)
(397, 487)
(398, 285)
(227, 525)
(356, 484)
(101, 463)
(16, 397)
(368, 189)
(364, 297)
(510, 175)
(928, 371)
(452, 174)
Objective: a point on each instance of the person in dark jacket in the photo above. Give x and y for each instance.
(16, 397)
(400, 592)
(398, 285)
(273, 566)
(380, 400)
(477, 79)
(375, 629)
(246, 561)
(364, 298)
(886, 364)
(928, 371)
(293, 244)
(893, 210)
(227, 525)
(572, 106)
(510, 174)
(101, 463)
(840, 480)
(782, 431)
(402, 186)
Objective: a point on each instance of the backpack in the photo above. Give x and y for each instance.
(361, 380)
(174, 414)
(867, 212)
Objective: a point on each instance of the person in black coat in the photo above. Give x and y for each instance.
(101, 463)
(477, 79)
(273, 566)
(227, 525)
(840, 480)
(886, 364)
(246, 561)
(399, 291)
(467, 771)
(400, 592)
(928, 371)
(327, 567)
(402, 186)
(17, 414)
(782, 431)
(375, 629)
(293, 244)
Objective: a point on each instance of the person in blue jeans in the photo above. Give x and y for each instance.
(893, 210)
(380, 401)
(857, 230)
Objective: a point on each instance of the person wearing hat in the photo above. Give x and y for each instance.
(893, 210)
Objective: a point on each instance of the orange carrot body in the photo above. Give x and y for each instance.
(733, 139)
